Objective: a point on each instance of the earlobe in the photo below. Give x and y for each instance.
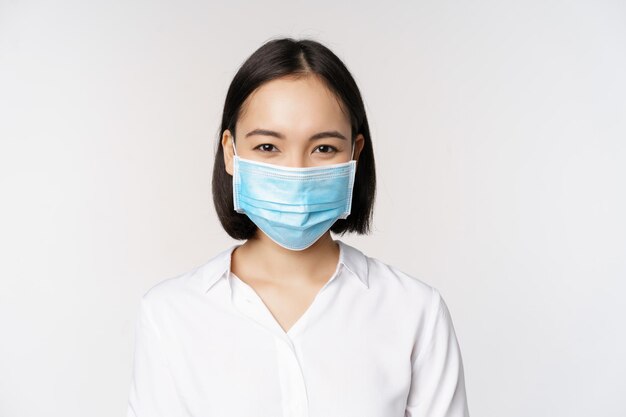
(229, 166)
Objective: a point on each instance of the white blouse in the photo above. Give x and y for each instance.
(375, 342)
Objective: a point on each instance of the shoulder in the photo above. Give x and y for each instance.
(180, 289)
(385, 275)
(409, 300)
(170, 287)
(166, 294)
(410, 289)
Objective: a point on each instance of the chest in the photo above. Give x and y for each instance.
(345, 355)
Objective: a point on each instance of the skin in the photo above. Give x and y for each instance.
(296, 108)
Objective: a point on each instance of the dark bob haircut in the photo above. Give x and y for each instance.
(296, 58)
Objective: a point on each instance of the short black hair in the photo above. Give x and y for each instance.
(290, 57)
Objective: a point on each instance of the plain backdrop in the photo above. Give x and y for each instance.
(499, 132)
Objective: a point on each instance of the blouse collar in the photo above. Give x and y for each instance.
(219, 266)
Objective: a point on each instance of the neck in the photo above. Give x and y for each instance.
(267, 260)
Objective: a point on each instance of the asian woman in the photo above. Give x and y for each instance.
(291, 322)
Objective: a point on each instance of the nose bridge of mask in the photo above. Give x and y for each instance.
(235, 148)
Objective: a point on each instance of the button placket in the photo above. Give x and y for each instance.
(293, 387)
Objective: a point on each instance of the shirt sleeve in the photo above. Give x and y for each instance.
(152, 389)
(438, 382)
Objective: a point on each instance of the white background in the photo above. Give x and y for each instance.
(499, 131)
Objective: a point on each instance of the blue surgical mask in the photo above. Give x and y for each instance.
(294, 206)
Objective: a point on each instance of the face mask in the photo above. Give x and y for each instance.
(294, 206)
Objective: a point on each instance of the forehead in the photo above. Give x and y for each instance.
(290, 103)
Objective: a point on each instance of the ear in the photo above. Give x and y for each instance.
(227, 147)
(359, 143)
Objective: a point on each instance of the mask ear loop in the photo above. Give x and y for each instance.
(353, 146)
(234, 147)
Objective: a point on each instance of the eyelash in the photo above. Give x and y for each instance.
(333, 149)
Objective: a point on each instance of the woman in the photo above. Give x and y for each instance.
(291, 322)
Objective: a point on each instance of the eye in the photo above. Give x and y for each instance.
(332, 148)
(264, 147)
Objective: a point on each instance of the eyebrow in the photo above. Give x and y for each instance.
(320, 135)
